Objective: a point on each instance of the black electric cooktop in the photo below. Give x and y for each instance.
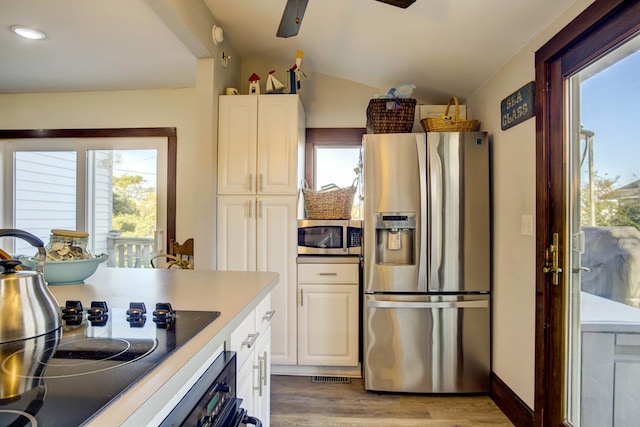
(65, 377)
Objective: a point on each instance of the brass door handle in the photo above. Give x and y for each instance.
(551, 264)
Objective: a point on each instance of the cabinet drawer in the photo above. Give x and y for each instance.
(244, 333)
(327, 273)
(264, 314)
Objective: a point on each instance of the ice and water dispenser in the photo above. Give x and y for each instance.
(395, 238)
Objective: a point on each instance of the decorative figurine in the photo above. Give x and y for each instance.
(273, 85)
(254, 84)
(294, 73)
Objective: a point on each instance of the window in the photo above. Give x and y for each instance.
(334, 158)
(112, 187)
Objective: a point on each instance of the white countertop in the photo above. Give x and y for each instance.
(234, 294)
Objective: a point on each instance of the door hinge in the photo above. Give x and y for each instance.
(551, 260)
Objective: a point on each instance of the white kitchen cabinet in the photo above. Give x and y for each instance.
(260, 234)
(260, 166)
(328, 314)
(260, 144)
(251, 341)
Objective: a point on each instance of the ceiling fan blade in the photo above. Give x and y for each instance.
(292, 18)
(399, 3)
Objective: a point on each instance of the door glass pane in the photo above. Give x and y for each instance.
(121, 203)
(122, 189)
(45, 194)
(603, 352)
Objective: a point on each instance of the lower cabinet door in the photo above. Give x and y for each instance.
(244, 385)
(262, 378)
(328, 325)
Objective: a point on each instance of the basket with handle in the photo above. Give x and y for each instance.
(332, 202)
(450, 124)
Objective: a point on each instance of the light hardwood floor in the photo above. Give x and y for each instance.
(297, 401)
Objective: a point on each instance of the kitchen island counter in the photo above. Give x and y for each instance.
(234, 294)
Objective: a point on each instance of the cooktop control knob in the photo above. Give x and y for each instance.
(163, 315)
(97, 313)
(72, 308)
(98, 308)
(72, 312)
(136, 314)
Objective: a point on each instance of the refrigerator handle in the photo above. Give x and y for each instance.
(484, 303)
(435, 208)
(424, 216)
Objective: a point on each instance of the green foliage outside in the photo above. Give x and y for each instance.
(609, 211)
(134, 207)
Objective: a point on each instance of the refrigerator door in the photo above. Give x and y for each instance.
(458, 212)
(395, 250)
(427, 344)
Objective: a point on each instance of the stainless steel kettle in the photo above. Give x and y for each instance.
(27, 306)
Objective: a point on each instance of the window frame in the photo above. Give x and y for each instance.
(335, 137)
(167, 132)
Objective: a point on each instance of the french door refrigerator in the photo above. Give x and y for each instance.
(426, 262)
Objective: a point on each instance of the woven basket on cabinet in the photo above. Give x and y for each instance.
(333, 203)
(452, 124)
(391, 115)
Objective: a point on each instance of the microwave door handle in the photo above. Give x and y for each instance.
(345, 239)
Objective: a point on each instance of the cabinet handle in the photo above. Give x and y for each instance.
(259, 208)
(262, 373)
(265, 359)
(258, 368)
(251, 340)
(269, 315)
(261, 186)
(328, 274)
(250, 182)
(250, 203)
(301, 298)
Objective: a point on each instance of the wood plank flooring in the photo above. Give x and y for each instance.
(297, 401)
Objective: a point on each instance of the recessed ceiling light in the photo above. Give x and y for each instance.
(28, 33)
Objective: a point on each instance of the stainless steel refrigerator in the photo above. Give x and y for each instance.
(427, 262)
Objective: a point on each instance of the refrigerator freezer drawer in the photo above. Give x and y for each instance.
(427, 344)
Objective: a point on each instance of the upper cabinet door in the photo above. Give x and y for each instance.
(237, 144)
(280, 142)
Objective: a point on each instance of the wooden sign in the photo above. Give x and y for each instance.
(518, 107)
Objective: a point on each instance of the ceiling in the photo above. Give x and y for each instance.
(444, 47)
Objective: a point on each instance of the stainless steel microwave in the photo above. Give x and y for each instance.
(329, 237)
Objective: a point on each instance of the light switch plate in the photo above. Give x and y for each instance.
(527, 225)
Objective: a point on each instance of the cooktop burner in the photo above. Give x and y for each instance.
(67, 376)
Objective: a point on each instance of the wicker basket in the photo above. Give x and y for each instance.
(391, 115)
(450, 124)
(334, 203)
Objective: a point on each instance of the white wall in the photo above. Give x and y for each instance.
(514, 195)
(329, 102)
(148, 108)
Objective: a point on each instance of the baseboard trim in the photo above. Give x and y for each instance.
(513, 407)
(309, 371)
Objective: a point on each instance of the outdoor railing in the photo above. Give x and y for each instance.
(132, 252)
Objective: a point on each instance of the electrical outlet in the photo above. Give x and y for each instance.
(527, 225)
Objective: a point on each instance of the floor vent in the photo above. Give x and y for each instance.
(334, 380)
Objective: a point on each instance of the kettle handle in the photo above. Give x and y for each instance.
(33, 240)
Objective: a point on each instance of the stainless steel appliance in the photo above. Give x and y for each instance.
(427, 262)
(212, 400)
(68, 375)
(329, 237)
(27, 307)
